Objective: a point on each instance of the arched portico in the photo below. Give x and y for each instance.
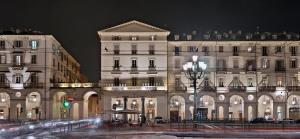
(4, 105)
(90, 104)
(177, 108)
(33, 106)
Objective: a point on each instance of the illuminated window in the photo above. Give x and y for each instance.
(3, 59)
(33, 44)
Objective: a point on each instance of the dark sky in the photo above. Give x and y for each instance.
(75, 22)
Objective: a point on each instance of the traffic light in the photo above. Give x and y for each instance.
(66, 104)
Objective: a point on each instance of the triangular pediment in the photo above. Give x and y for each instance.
(134, 26)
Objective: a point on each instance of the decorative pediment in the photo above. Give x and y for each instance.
(133, 26)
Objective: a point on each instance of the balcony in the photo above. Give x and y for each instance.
(116, 52)
(250, 89)
(293, 88)
(222, 89)
(280, 69)
(116, 70)
(208, 88)
(73, 85)
(152, 70)
(134, 70)
(134, 88)
(33, 85)
(4, 85)
(237, 88)
(267, 88)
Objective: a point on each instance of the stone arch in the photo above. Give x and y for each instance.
(90, 104)
(265, 106)
(293, 106)
(177, 108)
(207, 107)
(4, 105)
(57, 110)
(33, 105)
(236, 107)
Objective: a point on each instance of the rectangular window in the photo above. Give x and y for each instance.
(177, 82)
(279, 66)
(235, 63)
(116, 38)
(278, 49)
(151, 49)
(34, 78)
(17, 79)
(116, 82)
(2, 45)
(192, 49)
(3, 59)
(205, 50)
(18, 44)
(133, 81)
(293, 63)
(152, 37)
(251, 65)
(221, 82)
(134, 49)
(177, 64)
(2, 78)
(133, 63)
(151, 63)
(264, 51)
(33, 44)
(33, 59)
(235, 51)
(116, 64)
(177, 51)
(221, 49)
(293, 50)
(151, 81)
(221, 65)
(134, 38)
(265, 63)
(116, 49)
(17, 60)
(250, 84)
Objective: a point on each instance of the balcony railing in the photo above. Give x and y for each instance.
(134, 88)
(237, 88)
(280, 69)
(74, 85)
(4, 85)
(267, 88)
(293, 88)
(208, 88)
(34, 85)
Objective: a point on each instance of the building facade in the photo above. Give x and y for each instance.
(35, 74)
(248, 75)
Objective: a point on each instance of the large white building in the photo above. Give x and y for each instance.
(248, 75)
(30, 64)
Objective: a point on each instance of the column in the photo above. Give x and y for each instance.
(143, 109)
(125, 98)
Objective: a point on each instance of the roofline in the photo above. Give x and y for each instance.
(130, 22)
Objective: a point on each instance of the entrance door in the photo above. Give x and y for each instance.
(174, 116)
(202, 114)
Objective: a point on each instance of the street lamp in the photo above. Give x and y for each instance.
(193, 71)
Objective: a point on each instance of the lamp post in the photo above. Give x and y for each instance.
(193, 71)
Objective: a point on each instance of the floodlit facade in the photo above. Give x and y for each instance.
(248, 75)
(33, 67)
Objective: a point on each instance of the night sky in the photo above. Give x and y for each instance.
(75, 23)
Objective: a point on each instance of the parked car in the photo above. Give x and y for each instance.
(298, 121)
(258, 120)
(158, 120)
(287, 121)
